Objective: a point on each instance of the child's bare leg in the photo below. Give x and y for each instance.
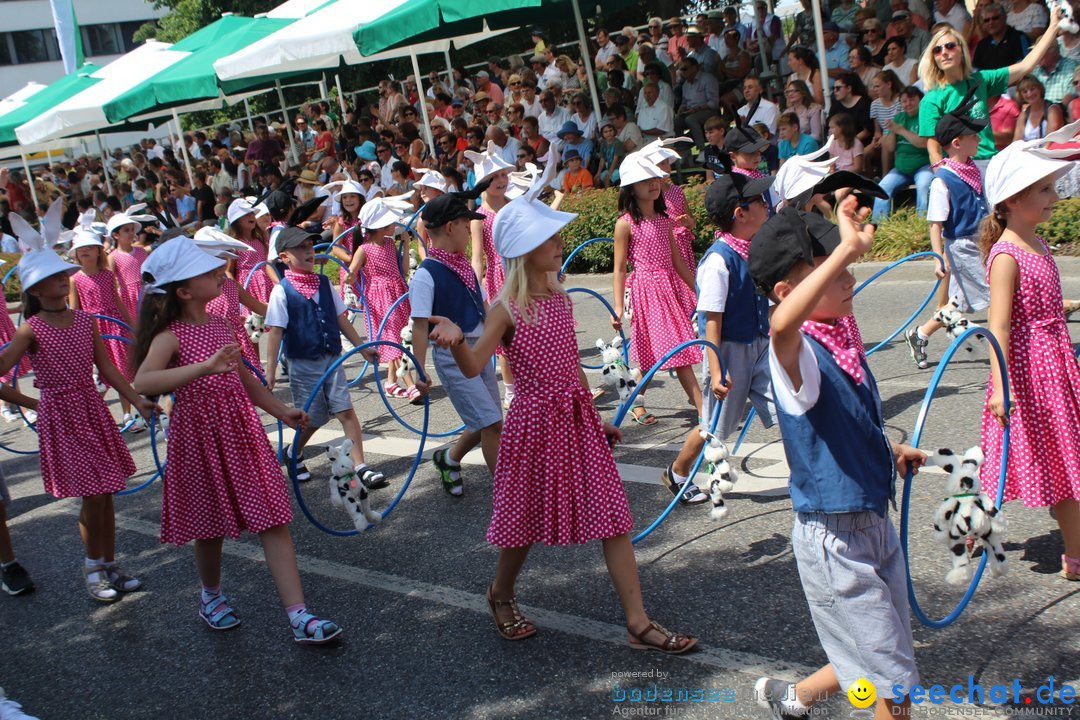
(7, 552)
(509, 566)
(281, 559)
(1068, 518)
(887, 709)
(108, 530)
(622, 566)
(690, 450)
(305, 435)
(931, 326)
(818, 686)
(208, 561)
(91, 528)
(464, 444)
(489, 444)
(391, 372)
(690, 385)
(353, 430)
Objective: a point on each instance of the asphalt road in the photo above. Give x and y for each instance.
(419, 642)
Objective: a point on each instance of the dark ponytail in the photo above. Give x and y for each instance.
(156, 312)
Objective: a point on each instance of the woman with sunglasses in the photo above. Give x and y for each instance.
(946, 73)
(874, 34)
(801, 102)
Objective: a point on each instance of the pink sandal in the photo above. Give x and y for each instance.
(1070, 567)
(395, 390)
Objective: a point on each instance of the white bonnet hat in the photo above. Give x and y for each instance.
(430, 178)
(218, 244)
(385, 211)
(526, 222)
(487, 162)
(176, 260)
(637, 167)
(1023, 163)
(39, 259)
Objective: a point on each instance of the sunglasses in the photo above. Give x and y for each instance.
(990, 18)
(938, 49)
(522, 156)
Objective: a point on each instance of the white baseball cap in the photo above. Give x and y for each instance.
(238, 208)
(385, 211)
(1022, 164)
(218, 244)
(526, 222)
(176, 260)
(636, 168)
(487, 162)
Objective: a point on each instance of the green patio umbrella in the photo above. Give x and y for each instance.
(39, 102)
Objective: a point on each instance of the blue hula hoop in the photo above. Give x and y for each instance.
(916, 436)
(14, 380)
(382, 391)
(114, 321)
(7, 275)
(624, 408)
(914, 315)
(933, 291)
(611, 311)
(160, 473)
(579, 248)
(307, 406)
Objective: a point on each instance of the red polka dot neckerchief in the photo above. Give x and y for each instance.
(307, 284)
(845, 346)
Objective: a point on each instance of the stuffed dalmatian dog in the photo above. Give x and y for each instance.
(1068, 20)
(955, 323)
(346, 490)
(722, 475)
(968, 515)
(351, 301)
(256, 326)
(615, 371)
(405, 364)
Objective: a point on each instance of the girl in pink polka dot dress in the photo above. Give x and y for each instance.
(244, 226)
(233, 297)
(342, 235)
(1026, 318)
(679, 210)
(644, 237)
(81, 452)
(559, 486)
(222, 476)
(126, 260)
(485, 259)
(95, 290)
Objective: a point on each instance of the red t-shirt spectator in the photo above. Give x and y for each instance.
(325, 143)
(1003, 117)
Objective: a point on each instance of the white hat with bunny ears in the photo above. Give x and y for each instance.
(526, 223)
(488, 162)
(85, 238)
(39, 259)
(128, 217)
(218, 244)
(637, 167)
(802, 172)
(520, 182)
(238, 208)
(1023, 163)
(660, 149)
(342, 187)
(431, 179)
(385, 211)
(177, 260)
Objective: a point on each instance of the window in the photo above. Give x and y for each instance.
(32, 46)
(127, 32)
(101, 40)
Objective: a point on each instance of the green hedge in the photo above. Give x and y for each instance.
(903, 233)
(12, 288)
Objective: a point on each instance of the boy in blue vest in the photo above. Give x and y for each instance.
(843, 467)
(733, 316)
(956, 207)
(307, 313)
(445, 285)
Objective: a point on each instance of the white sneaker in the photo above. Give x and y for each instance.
(139, 425)
(9, 414)
(11, 710)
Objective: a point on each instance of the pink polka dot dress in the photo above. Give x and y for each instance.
(129, 271)
(660, 321)
(81, 449)
(7, 332)
(494, 275)
(1044, 448)
(227, 305)
(675, 201)
(98, 294)
(222, 476)
(383, 285)
(555, 478)
(261, 284)
(346, 243)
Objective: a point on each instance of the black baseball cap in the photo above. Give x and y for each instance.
(729, 191)
(279, 203)
(291, 237)
(786, 238)
(959, 120)
(840, 180)
(444, 208)
(744, 140)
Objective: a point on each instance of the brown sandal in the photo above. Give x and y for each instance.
(509, 630)
(673, 644)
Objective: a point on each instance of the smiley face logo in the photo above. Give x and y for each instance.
(862, 693)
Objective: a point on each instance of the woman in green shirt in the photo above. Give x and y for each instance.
(911, 163)
(947, 76)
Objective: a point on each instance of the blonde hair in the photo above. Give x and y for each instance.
(931, 75)
(515, 290)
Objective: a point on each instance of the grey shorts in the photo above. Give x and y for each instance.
(852, 572)
(747, 367)
(333, 396)
(967, 276)
(475, 399)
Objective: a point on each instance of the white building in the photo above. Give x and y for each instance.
(28, 47)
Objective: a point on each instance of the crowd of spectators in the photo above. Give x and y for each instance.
(696, 77)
